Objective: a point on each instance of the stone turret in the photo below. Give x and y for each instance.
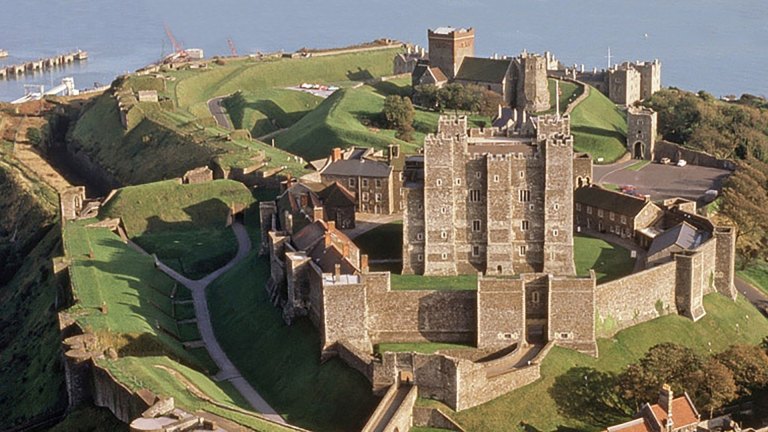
(641, 132)
(448, 46)
(665, 402)
(532, 84)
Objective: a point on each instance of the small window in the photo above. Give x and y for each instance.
(478, 175)
(522, 250)
(522, 174)
(378, 197)
(439, 182)
(535, 297)
(589, 210)
(474, 195)
(524, 225)
(611, 215)
(378, 183)
(419, 236)
(443, 210)
(600, 212)
(420, 257)
(401, 176)
(443, 234)
(444, 256)
(556, 207)
(496, 178)
(365, 196)
(623, 219)
(365, 183)
(458, 182)
(524, 195)
(421, 206)
(476, 225)
(475, 251)
(578, 207)
(555, 232)
(352, 182)
(530, 207)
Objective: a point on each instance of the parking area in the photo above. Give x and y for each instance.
(663, 181)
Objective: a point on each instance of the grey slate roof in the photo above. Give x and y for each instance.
(616, 202)
(682, 234)
(358, 168)
(483, 69)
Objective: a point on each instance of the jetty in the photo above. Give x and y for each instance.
(39, 65)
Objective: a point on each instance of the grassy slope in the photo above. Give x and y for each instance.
(568, 93)
(534, 404)
(282, 361)
(185, 225)
(268, 110)
(757, 275)
(609, 261)
(31, 381)
(599, 127)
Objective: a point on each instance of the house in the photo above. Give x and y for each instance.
(605, 210)
(491, 74)
(669, 415)
(680, 238)
(339, 204)
(424, 74)
(309, 202)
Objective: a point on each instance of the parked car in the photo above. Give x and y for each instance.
(682, 163)
(665, 161)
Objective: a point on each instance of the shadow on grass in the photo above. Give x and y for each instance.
(590, 396)
(388, 88)
(359, 75)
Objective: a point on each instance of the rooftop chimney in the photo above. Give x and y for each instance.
(336, 154)
(288, 223)
(317, 213)
(364, 263)
(665, 402)
(345, 249)
(327, 238)
(337, 272)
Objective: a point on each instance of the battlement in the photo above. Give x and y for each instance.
(561, 140)
(451, 32)
(641, 110)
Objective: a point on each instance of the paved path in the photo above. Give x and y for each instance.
(755, 296)
(227, 370)
(214, 106)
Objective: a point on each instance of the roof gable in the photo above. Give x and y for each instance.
(337, 195)
(683, 234)
(616, 202)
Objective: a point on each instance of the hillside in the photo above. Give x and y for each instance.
(599, 127)
(268, 110)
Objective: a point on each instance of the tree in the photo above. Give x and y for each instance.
(713, 386)
(744, 202)
(398, 113)
(34, 136)
(749, 366)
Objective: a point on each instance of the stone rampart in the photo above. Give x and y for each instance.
(434, 418)
(124, 404)
(676, 152)
(635, 299)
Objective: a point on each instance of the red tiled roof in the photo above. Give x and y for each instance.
(683, 412)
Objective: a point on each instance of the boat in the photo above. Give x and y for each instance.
(3, 53)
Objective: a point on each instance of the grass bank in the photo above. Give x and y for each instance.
(599, 127)
(756, 274)
(265, 111)
(283, 362)
(609, 261)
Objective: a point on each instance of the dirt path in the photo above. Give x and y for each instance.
(227, 370)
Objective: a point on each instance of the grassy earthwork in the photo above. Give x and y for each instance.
(265, 111)
(568, 93)
(283, 362)
(599, 128)
(609, 261)
(545, 404)
(756, 274)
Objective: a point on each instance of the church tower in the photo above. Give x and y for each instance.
(448, 46)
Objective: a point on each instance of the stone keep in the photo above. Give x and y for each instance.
(641, 132)
(532, 84)
(448, 47)
(492, 200)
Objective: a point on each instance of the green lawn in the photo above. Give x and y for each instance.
(536, 405)
(283, 362)
(183, 224)
(446, 283)
(568, 93)
(424, 348)
(268, 110)
(382, 242)
(599, 127)
(609, 261)
(756, 274)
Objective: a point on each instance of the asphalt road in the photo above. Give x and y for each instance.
(753, 294)
(218, 112)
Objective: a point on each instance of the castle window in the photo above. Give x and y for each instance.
(474, 195)
(419, 236)
(478, 174)
(378, 197)
(496, 178)
(378, 183)
(444, 256)
(421, 206)
(420, 257)
(611, 215)
(578, 207)
(401, 175)
(351, 182)
(589, 210)
(623, 219)
(443, 234)
(535, 297)
(530, 207)
(522, 174)
(476, 225)
(365, 196)
(556, 207)
(525, 195)
(555, 232)
(443, 209)
(365, 182)
(458, 182)
(524, 225)
(600, 212)
(402, 205)
(475, 251)
(522, 250)
(439, 182)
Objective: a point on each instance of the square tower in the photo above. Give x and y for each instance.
(624, 84)
(532, 85)
(641, 132)
(448, 46)
(650, 78)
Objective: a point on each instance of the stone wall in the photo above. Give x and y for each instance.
(500, 312)
(572, 313)
(635, 299)
(676, 152)
(344, 315)
(124, 404)
(434, 418)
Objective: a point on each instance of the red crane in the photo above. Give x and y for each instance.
(231, 45)
(177, 48)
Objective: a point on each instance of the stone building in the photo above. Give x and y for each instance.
(339, 205)
(373, 178)
(491, 74)
(492, 200)
(641, 132)
(632, 82)
(424, 74)
(620, 214)
(405, 63)
(532, 84)
(448, 46)
(668, 415)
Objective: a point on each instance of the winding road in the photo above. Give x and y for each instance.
(218, 112)
(227, 370)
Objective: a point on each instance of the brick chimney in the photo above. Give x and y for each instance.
(364, 263)
(328, 240)
(331, 225)
(665, 402)
(288, 223)
(345, 249)
(336, 154)
(317, 213)
(337, 272)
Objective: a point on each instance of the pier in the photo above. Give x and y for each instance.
(39, 65)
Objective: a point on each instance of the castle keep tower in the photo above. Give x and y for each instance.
(532, 85)
(494, 200)
(448, 46)
(624, 84)
(650, 78)
(641, 132)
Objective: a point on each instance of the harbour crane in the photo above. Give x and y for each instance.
(232, 48)
(178, 50)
